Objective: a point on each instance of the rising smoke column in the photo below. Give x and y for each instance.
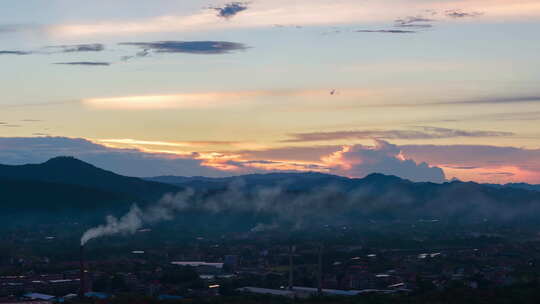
(287, 207)
(296, 209)
(324, 204)
(127, 224)
(137, 217)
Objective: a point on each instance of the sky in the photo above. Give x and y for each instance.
(428, 90)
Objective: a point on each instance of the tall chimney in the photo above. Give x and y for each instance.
(291, 267)
(83, 288)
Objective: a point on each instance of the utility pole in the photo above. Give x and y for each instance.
(319, 271)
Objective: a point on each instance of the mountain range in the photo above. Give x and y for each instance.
(305, 179)
(65, 185)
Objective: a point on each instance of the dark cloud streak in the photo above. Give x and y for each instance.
(190, 47)
(85, 63)
(424, 133)
(515, 99)
(386, 31)
(94, 47)
(231, 9)
(414, 22)
(458, 14)
(15, 53)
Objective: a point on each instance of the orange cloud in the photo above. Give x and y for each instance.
(205, 99)
(479, 163)
(489, 164)
(176, 101)
(136, 142)
(383, 157)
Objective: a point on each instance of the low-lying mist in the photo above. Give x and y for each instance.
(330, 204)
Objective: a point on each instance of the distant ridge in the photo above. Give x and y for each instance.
(66, 183)
(523, 186)
(69, 170)
(383, 196)
(284, 178)
(294, 181)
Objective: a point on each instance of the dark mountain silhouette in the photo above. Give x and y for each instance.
(25, 202)
(523, 186)
(20, 195)
(310, 179)
(66, 184)
(69, 170)
(376, 196)
(290, 181)
(298, 181)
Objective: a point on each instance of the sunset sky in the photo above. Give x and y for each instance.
(428, 90)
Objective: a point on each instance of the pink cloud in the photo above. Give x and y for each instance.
(386, 158)
(481, 163)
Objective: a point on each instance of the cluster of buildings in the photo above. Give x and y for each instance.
(57, 283)
(281, 271)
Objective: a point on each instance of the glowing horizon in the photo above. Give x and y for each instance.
(431, 90)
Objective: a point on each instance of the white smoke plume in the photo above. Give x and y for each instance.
(128, 223)
(285, 206)
(237, 197)
(261, 227)
(136, 217)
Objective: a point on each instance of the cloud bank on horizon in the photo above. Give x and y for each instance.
(360, 161)
(414, 162)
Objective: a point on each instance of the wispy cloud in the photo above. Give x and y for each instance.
(190, 47)
(423, 133)
(505, 116)
(309, 154)
(176, 101)
(471, 101)
(266, 13)
(417, 22)
(94, 47)
(386, 31)
(140, 54)
(201, 100)
(15, 53)
(491, 100)
(137, 142)
(41, 104)
(230, 10)
(85, 63)
(458, 14)
(414, 22)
